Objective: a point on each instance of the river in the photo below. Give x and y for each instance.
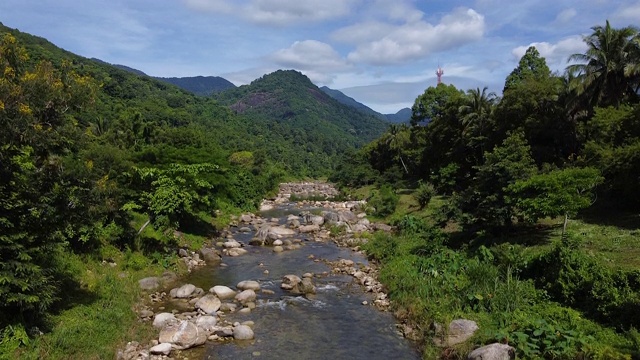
(337, 322)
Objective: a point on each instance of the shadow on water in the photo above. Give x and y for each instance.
(332, 324)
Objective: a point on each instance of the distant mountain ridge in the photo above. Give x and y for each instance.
(199, 85)
(402, 116)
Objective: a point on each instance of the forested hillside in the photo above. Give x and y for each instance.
(523, 209)
(298, 112)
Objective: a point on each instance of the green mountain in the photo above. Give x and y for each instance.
(296, 109)
(200, 85)
(349, 101)
(402, 116)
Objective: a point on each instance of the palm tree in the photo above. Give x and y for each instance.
(604, 74)
(394, 141)
(476, 114)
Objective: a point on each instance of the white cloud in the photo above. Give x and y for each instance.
(277, 12)
(566, 15)
(415, 40)
(310, 54)
(556, 54)
(318, 60)
(362, 32)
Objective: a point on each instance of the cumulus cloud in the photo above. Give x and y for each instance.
(277, 12)
(555, 54)
(318, 60)
(418, 39)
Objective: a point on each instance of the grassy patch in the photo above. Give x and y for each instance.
(94, 318)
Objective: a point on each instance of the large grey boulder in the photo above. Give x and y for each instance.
(493, 352)
(290, 282)
(183, 335)
(163, 319)
(242, 332)
(208, 323)
(231, 244)
(234, 252)
(246, 296)
(460, 330)
(248, 285)
(309, 228)
(306, 286)
(161, 349)
(185, 291)
(281, 231)
(210, 255)
(223, 292)
(209, 304)
(149, 283)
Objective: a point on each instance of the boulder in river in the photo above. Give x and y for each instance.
(309, 228)
(209, 304)
(281, 231)
(242, 332)
(210, 255)
(248, 284)
(185, 291)
(290, 282)
(223, 292)
(208, 323)
(183, 335)
(246, 296)
(234, 252)
(163, 319)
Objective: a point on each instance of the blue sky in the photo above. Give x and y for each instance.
(383, 53)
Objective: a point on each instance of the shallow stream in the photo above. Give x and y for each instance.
(332, 324)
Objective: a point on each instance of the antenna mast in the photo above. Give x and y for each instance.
(439, 73)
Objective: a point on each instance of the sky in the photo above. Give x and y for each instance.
(383, 53)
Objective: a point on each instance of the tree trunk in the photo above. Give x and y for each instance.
(144, 226)
(403, 165)
(564, 226)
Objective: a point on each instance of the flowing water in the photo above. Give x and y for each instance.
(332, 324)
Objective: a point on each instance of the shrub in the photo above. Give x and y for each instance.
(424, 193)
(384, 201)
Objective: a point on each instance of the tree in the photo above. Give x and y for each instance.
(486, 201)
(532, 103)
(476, 113)
(173, 195)
(560, 192)
(40, 202)
(606, 74)
(433, 103)
(530, 66)
(394, 141)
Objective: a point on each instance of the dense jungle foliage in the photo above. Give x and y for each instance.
(99, 164)
(509, 174)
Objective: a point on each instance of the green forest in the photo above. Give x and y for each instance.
(519, 211)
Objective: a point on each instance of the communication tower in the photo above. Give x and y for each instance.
(439, 73)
